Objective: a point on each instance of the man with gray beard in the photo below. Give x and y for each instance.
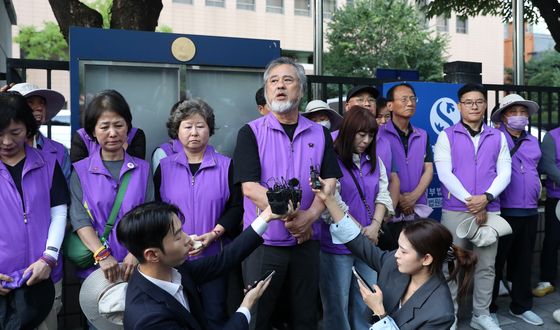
(280, 146)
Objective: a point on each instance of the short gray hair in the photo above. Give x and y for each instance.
(186, 109)
(302, 78)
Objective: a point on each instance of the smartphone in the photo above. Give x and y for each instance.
(266, 276)
(361, 279)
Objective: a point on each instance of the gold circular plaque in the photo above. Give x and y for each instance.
(183, 49)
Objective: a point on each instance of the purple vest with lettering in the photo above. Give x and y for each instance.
(100, 190)
(369, 182)
(410, 166)
(201, 196)
(24, 233)
(171, 147)
(475, 172)
(282, 158)
(553, 189)
(524, 189)
(92, 145)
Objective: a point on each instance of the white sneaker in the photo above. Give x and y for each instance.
(484, 322)
(494, 317)
(503, 291)
(529, 317)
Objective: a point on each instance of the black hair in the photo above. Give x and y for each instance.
(391, 92)
(381, 102)
(107, 100)
(259, 97)
(14, 107)
(472, 87)
(145, 226)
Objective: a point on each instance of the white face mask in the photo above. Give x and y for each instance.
(325, 123)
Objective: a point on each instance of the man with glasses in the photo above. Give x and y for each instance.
(363, 96)
(415, 169)
(474, 166)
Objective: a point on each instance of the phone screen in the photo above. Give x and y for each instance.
(362, 279)
(266, 275)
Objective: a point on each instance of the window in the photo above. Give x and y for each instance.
(329, 7)
(462, 25)
(275, 6)
(188, 2)
(216, 3)
(246, 4)
(302, 7)
(442, 24)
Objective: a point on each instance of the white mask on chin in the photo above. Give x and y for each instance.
(325, 123)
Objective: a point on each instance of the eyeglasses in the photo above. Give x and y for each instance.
(405, 99)
(470, 103)
(362, 100)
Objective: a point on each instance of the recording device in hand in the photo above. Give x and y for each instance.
(314, 174)
(362, 279)
(281, 193)
(266, 276)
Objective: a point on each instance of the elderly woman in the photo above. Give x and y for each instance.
(199, 181)
(363, 188)
(95, 181)
(33, 204)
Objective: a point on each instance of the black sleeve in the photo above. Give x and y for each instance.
(59, 188)
(232, 216)
(157, 184)
(78, 149)
(429, 153)
(246, 157)
(329, 166)
(137, 147)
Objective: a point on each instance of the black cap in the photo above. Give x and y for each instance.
(259, 97)
(362, 88)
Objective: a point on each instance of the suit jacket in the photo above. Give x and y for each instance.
(150, 307)
(430, 307)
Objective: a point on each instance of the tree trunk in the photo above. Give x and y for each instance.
(550, 12)
(140, 15)
(74, 13)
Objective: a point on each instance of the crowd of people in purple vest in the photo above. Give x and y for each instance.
(189, 240)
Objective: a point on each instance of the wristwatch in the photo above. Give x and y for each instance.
(489, 197)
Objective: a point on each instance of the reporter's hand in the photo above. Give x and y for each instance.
(196, 251)
(110, 268)
(39, 271)
(373, 300)
(372, 232)
(326, 191)
(476, 203)
(6, 87)
(128, 265)
(6, 278)
(252, 294)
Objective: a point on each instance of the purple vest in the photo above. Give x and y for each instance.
(55, 148)
(552, 189)
(524, 189)
(411, 165)
(382, 149)
(475, 172)
(92, 145)
(24, 233)
(282, 158)
(171, 147)
(201, 196)
(369, 182)
(100, 190)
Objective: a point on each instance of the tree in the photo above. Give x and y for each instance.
(549, 10)
(543, 70)
(45, 44)
(374, 34)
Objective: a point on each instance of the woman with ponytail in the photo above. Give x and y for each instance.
(411, 290)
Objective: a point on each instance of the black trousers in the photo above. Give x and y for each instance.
(549, 255)
(298, 267)
(517, 250)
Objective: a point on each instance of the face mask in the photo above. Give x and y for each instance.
(325, 123)
(517, 122)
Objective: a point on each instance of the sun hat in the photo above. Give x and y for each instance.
(558, 210)
(54, 100)
(321, 106)
(103, 302)
(513, 99)
(485, 234)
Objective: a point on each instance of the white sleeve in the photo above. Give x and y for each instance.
(386, 323)
(443, 162)
(158, 155)
(344, 231)
(383, 196)
(503, 170)
(246, 312)
(259, 226)
(56, 230)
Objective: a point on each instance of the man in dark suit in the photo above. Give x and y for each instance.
(160, 296)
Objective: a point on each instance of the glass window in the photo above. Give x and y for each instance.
(302, 7)
(329, 7)
(275, 6)
(216, 3)
(188, 2)
(442, 24)
(246, 4)
(462, 25)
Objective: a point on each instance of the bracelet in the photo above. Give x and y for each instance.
(375, 220)
(49, 260)
(102, 255)
(218, 233)
(98, 251)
